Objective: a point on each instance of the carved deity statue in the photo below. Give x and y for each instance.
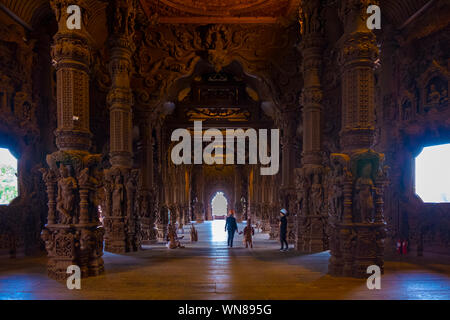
(301, 186)
(336, 191)
(117, 199)
(131, 192)
(433, 96)
(316, 195)
(144, 211)
(65, 202)
(364, 193)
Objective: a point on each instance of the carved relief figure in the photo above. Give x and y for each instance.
(364, 193)
(433, 95)
(117, 199)
(406, 110)
(131, 193)
(316, 195)
(436, 93)
(301, 186)
(336, 192)
(65, 202)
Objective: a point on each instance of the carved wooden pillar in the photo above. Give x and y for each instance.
(123, 234)
(389, 139)
(147, 193)
(357, 56)
(310, 193)
(199, 205)
(357, 178)
(72, 235)
(288, 123)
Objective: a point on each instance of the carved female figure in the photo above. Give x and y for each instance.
(301, 186)
(316, 195)
(364, 193)
(336, 192)
(117, 200)
(131, 192)
(65, 202)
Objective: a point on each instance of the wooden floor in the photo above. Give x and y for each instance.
(209, 270)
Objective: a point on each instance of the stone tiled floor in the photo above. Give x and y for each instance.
(209, 270)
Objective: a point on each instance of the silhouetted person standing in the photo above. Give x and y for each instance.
(231, 227)
(283, 229)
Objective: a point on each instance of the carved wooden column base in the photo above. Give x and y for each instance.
(122, 224)
(311, 195)
(73, 235)
(198, 213)
(115, 238)
(311, 236)
(148, 231)
(357, 227)
(358, 246)
(274, 233)
(161, 233)
(80, 245)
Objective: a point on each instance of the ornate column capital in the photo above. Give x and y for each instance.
(358, 48)
(309, 16)
(353, 14)
(122, 24)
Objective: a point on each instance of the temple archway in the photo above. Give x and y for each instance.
(219, 206)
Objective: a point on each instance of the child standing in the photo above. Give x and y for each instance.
(249, 232)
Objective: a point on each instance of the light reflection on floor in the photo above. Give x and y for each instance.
(210, 270)
(218, 233)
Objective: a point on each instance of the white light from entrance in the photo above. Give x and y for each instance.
(8, 177)
(433, 174)
(219, 205)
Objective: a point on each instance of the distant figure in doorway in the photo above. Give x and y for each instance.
(231, 227)
(249, 232)
(283, 229)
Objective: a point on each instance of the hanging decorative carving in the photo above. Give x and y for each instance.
(168, 53)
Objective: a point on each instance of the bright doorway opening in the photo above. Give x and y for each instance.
(219, 205)
(8, 177)
(433, 174)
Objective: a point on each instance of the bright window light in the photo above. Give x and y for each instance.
(8, 177)
(433, 174)
(219, 205)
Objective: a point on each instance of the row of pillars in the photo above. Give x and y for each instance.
(346, 197)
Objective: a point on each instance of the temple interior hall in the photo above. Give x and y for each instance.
(209, 270)
(134, 133)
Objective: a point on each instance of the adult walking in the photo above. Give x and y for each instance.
(231, 227)
(283, 229)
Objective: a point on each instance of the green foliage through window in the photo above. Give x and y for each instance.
(8, 177)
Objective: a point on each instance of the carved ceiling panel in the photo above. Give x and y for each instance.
(219, 11)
